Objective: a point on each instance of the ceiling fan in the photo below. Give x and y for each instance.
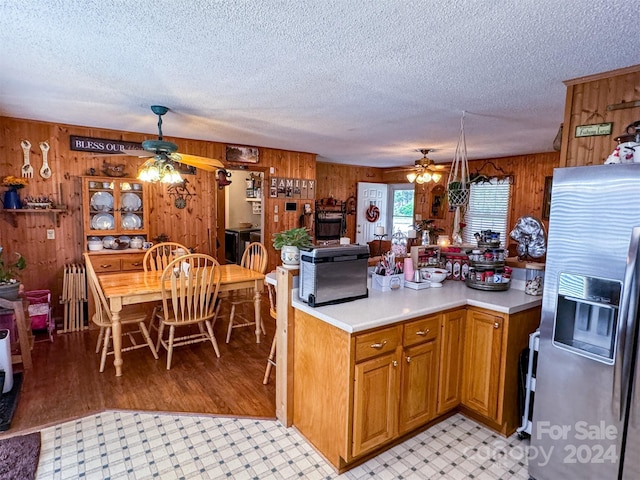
(424, 169)
(160, 167)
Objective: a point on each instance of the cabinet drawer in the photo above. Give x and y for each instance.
(369, 345)
(132, 262)
(423, 330)
(105, 264)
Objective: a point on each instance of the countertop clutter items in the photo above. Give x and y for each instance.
(388, 274)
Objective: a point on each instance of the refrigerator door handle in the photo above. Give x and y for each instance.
(626, 328)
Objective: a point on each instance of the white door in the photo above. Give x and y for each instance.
(372, 211)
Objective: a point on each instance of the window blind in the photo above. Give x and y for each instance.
(488, 209)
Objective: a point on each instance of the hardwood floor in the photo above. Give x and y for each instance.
(65, 382)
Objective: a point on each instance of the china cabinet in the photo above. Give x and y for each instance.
(114, 208)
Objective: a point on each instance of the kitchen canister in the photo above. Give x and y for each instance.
(408, 269)
(534, 278)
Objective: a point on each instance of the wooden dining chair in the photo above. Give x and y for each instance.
(158, 257)
(130, 315)
(190, 287)
(271, 361)
(254, 258)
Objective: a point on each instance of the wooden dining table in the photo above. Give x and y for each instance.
(129, 288)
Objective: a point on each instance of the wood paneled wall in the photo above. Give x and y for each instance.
(586, 103)
(528, 171)
(341, 182)
(197, 226)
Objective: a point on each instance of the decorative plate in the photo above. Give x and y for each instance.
(131, 221)
(102, 221)
(130, 202)
(101, 201)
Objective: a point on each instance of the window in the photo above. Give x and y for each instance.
(402, 213)
(488, 209)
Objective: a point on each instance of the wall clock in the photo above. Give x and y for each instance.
(180, 202)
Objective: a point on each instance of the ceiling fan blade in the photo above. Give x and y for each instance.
(204, 163)
(138, 153)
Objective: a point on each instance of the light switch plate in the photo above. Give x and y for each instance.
(418, 217)
(51, 234)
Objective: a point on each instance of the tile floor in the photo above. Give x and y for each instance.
(129, 445)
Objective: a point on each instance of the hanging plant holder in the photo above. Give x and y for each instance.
(458, 183)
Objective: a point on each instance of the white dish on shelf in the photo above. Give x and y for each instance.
(102, 221)
(101, 201)
(131, 221)
(130, 202)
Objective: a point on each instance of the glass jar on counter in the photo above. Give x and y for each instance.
(534, 283)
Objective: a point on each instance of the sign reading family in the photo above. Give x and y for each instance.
(101, 145)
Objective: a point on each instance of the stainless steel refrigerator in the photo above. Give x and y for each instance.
(586, 412)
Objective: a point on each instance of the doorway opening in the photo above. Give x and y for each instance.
(243, 212)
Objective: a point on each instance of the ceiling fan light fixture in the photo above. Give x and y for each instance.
(159, 169)
(423, 170)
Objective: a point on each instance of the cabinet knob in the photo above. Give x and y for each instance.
(408, 359)
(136, 264)
(379, 345)
(496, 325)
(394, 363)
(422, 333)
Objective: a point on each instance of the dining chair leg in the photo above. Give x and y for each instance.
(172, 331)
(231, 315)
(100, 337)
(270, 362)
(105, 349)
(147, 337)
(160, 333)
(214, 342)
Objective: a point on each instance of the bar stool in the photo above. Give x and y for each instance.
(270, 280)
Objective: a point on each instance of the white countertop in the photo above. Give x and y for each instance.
(385, 308)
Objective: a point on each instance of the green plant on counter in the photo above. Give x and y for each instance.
(294, 237)
(10, 271)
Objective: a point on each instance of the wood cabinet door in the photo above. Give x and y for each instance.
(451, 357)
(482, 352)
(418, 385)
(375, 402)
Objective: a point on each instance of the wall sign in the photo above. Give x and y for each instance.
(284, 187)
(101, 145)
(594, 130)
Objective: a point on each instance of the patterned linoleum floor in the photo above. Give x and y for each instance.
(129, 445)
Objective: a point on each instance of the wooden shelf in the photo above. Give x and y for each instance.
(56, 212)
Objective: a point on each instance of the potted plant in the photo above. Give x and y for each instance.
(289, 243)
(11, 199)
(9, 274)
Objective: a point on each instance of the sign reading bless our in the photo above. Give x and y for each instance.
(101, 145)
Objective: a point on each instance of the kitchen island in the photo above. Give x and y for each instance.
(372, 372)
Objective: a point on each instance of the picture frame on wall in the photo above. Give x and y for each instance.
(237, 153)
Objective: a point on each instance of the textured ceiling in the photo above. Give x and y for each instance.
(356, 81)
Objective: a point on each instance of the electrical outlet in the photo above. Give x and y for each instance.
(275, 219)
(51, 234)
(275, 209)
(272, 170)
(418, 217)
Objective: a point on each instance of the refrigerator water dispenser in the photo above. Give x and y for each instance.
(587, 315)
